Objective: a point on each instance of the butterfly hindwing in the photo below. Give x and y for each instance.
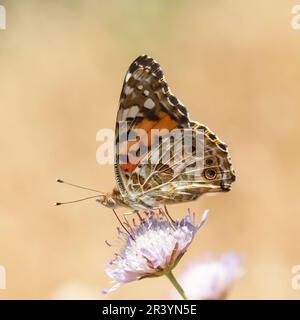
(183, 178)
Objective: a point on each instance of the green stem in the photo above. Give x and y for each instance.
(175, 283)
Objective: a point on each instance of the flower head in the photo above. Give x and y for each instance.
(151, 247)
(210, 279)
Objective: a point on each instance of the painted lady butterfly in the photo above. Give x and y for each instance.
(147, 103)
(145, 177)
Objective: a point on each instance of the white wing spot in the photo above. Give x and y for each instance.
(140, 87)
(128, 90)
(149, 104)
(128, 75)
(146, 93)
(133, 111)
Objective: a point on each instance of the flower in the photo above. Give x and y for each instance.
(151, 248)
(210, 279)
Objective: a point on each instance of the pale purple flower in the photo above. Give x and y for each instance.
(210, 279)
(153, 248)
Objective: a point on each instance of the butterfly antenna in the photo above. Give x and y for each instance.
(74, 201)
(77, 186)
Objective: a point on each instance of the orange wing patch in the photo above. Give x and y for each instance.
(137, 150)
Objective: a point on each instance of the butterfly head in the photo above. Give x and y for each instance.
(112, 199)
(108, 201)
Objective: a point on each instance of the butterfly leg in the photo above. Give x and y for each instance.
(122, 224)
(131, 212)
(136, 212)
(164, 212)
(168, 215)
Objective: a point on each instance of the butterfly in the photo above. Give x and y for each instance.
(147, 103)
(147, 175)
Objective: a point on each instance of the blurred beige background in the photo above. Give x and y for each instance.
(234, 64)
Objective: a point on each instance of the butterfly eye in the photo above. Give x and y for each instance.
(210, 174)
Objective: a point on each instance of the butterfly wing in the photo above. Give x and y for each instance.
(178, 176)
(147, 103)
(148, 177)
